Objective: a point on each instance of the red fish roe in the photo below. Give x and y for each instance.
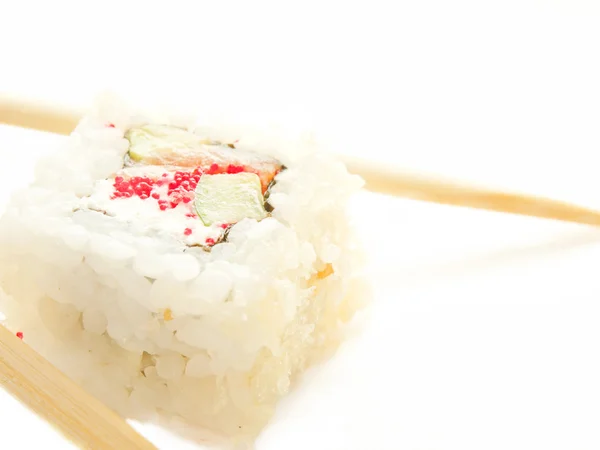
(231, 168)
(193, 216)
(110, 125)
(184, 182)
(209, 241)
(20, 334)
(224, 225)
(213, 169)
(139, 186)
(187, 231)
(196, 174)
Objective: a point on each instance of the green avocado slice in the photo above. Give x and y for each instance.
(229, 198)
(153, 142)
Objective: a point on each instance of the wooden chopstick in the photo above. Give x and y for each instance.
(379, 178)
(37, 115)
(83, 419)
(387, 180)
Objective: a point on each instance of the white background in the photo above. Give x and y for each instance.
(483, 333)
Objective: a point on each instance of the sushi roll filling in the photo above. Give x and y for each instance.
(178, 183)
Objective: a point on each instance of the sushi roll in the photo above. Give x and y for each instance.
(182, 269)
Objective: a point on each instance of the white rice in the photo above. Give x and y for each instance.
(213, 338)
